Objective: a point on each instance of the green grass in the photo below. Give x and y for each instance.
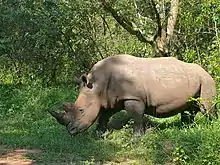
(26, 124)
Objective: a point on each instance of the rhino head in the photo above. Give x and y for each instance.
(79, 116)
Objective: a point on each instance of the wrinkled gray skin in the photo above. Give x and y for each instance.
(160, 87)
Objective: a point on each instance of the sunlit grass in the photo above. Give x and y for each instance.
(25, 123)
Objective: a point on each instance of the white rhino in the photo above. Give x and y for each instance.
(160, 87)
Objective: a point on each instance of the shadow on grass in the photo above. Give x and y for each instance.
(55, 143)
(26, 124)
(122, 118)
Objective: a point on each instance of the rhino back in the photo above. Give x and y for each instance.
(156, 81)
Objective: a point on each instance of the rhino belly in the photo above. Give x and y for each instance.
(169, 102)
(171, 109)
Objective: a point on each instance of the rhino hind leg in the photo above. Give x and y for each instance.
(207, 94)
(136, 109)
(189, 116)
(209, 112)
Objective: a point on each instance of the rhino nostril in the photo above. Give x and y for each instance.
(68, 123)
(70, 127)
(73, 128)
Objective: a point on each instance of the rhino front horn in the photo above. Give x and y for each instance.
(58, 116)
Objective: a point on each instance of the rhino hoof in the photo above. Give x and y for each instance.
(101, 134)
(137, 134)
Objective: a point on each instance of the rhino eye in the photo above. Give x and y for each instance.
(81, 110)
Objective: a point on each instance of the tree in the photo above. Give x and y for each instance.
(165, 23)
(50, 41)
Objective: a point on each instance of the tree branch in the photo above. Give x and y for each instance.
(99, 51)
(172, 19)
(138, 13)
(127, 25)
(159, 24)
(160, 36)
(106, 23)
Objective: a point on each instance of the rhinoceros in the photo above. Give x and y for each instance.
(159, 87)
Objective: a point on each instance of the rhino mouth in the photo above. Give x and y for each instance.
(74, 129)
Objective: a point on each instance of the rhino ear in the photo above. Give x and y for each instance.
(86, 81)
(68, 107)
(84, 78)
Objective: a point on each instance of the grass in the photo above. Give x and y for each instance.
(25, 123)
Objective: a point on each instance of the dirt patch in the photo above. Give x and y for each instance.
(15, 156)
(124, 161)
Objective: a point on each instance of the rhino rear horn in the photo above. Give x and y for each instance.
(59, 116)
(68, 107)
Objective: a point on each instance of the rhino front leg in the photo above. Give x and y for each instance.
(103, 120)
(136, 109)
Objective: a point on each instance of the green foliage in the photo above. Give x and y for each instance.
(179, 155)
(45, 43)
(27, 124)
(48, 41)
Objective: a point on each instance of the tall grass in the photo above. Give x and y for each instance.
(25, 123)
